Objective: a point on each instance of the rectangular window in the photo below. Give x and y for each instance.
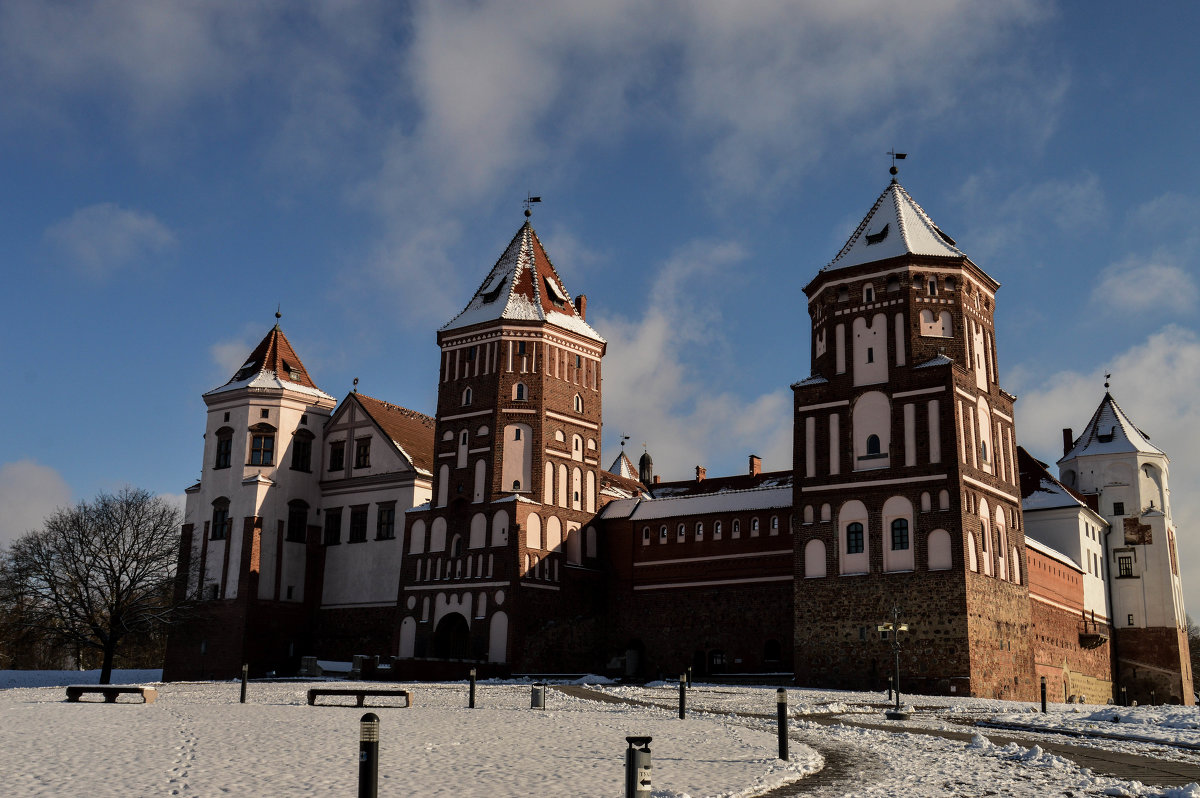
(1124, 565)
(358, 524)
(221, 523)
(333, 526)
(337, 456)
(1131, 620)
(297, 525)
(262, 450)
(224, 451)
(900, 535)
(854, 539)
(1118, 508)
(302, 454)
(362, 453)
(385, 524)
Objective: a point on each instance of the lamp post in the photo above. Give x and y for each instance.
(895, 628)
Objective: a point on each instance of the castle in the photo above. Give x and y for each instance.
(492, 536)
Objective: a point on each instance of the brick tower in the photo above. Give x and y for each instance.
(501, 565)
(906, 488)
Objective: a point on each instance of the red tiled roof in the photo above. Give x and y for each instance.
(275, 354)
(413, 431)
(692, 487)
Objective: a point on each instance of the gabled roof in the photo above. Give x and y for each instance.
(523, 286)
(1110, 432)
(896, 225)
(273, 364)
(412, 432)
(623, 467)
(1040, 490)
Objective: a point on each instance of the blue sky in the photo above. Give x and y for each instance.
(175, 171)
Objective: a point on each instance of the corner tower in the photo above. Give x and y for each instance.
(906, 486)
(1114, 463)
(507, 536)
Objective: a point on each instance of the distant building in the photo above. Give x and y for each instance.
(490, 535)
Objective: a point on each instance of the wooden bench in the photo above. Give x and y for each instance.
(360, 694)
(110, 692)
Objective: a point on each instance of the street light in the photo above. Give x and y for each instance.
(895, 627)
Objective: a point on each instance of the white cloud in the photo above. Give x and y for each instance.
(101, 239)
(230, 354)
(28, 493)
(1155, 382)
(1138, 285)
(655, 393)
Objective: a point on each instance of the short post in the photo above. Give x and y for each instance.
(1043, 695)
(245, 676)
(781, 705)
(1152, 701)
(537, 699)
(1124, 697)
(689, 675)
(368, 756)
(682, 695)
(471, 700)
(890, 678)
(637, 767)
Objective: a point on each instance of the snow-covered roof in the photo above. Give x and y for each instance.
(937, 360)
(267, 365)
(1109, 432)
(523, 286)
(896, 225)
(729, 501)
(815, 379)
(1040, 490)
(411, 432)
(623, 467)
(1053, 553)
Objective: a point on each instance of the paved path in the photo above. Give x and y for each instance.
(1148, 770)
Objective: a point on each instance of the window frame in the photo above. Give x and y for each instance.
(385, 521)
(332, 531)
(855, 538)
(362, 453)
(900, 526)
(358, 524)
(337, 455)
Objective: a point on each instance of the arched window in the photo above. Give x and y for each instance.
(222, 524)
(939, 550)
(466, 397)
(774, 525)
(520, 393)
(645, 536)
(814, 559)
(854, 538)
(753, 526)
(456, 546)
(224, 448)
(737, 528)
(517, 482)
(680, 534)
(516, 433)
(900, 534)
(662, 534)
(872, 444)
(578, 403)
(699, 530)
(717, 530)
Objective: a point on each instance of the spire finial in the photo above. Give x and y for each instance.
(529, 200)
(896, 156)
(278, 315)
(1107, 377)
(624, 438)
(356, 384)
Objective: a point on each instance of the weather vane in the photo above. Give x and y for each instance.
(896, 156)
(529, 200)
(623, 439)
(1107, 377)
(356, 384)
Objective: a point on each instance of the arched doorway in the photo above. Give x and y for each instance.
(452, 638)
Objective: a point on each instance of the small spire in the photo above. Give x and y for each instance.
(529, 200)
(896, 156)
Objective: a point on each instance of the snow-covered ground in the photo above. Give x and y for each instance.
(197, 740)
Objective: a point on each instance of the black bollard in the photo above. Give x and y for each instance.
(471, 700)
(637, 767)
(1152, 701)
(781, 705)
(537, 698)
(1124, 697)
(689, 675)
(245, 676)
(1043, 695)
(368, 756)
(682, 695)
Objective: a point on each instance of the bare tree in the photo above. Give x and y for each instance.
(97, 572)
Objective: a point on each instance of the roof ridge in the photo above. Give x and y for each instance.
(716, 492)
(416, 414)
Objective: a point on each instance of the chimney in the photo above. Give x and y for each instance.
(755, 465)
(1068, 441)
(700, 472)
(581, 306)
(657, 479)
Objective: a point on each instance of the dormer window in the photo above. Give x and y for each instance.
(557, 297)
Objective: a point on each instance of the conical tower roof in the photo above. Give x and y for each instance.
(623, 467)
(1110, 432)
(273, 364)
(896, 225)
(523, 286)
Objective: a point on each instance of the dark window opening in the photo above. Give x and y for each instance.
(1124, 566)
(1118, 508)
(262, 450)
(358, 524)
(297, 524)
(302, 454)
(362, 453)
(221, 522)
(870, 354)
(337, 456)
(900, 534)
(854, 538)
(333, 526)
(516, 484)
(872, 444)
(385, 524)
(224, 451)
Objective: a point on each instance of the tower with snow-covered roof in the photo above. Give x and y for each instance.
(250, 521)
(1126, 475)
(906, 486)
(500, 553)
